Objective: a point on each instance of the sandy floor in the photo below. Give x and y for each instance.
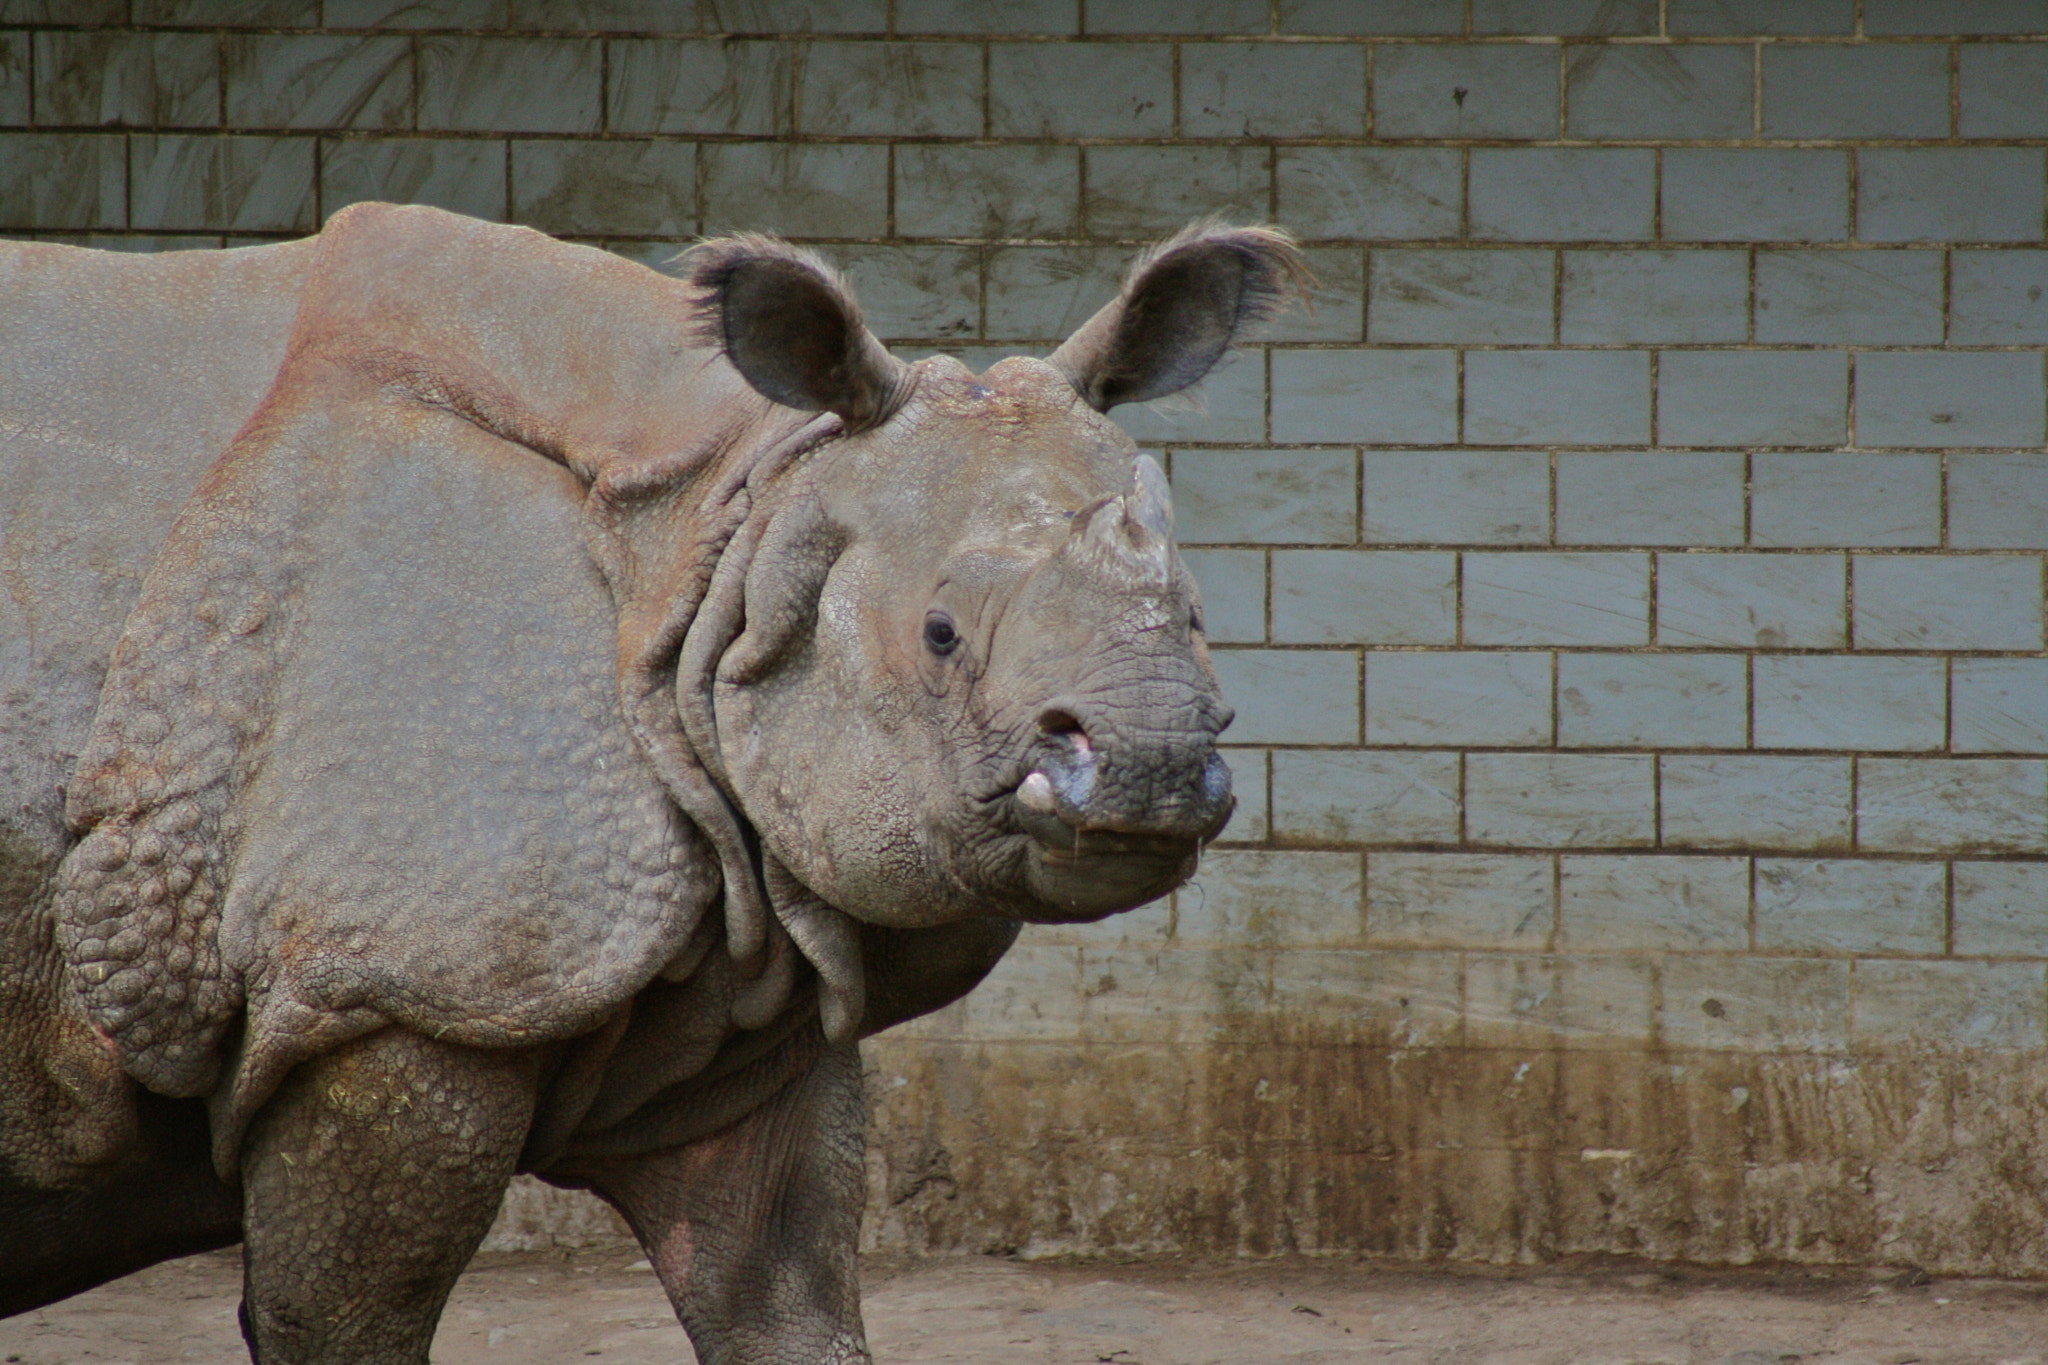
(604, 1305)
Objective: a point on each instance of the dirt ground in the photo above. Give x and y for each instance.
(554, 1307)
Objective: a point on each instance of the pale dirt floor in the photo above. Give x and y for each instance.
(548, 1308)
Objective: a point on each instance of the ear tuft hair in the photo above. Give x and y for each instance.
(790, 325)
(1183, 303)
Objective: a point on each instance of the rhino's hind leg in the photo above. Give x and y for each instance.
(754, 1230)
(368, 1180)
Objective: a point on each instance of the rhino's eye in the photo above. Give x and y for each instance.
(939, 635)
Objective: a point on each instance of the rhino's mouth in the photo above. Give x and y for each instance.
(1084, 870)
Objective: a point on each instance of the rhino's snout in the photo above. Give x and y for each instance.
(1173, 789)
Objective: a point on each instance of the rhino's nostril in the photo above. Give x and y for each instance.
(1056, 721)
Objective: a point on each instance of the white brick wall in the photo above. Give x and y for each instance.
(1630, 576)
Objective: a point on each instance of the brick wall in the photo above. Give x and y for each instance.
(1630, 576)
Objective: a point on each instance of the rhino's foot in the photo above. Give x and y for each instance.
(368, 1181)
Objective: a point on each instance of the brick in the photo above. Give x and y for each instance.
(799, 190)
(510, 85)
(1823, 90)
(1850, 906)
(1369, 193)
(14, 77)
(1557, 397)
(605, 16)
(1378, 396)
(988, 16)
(1818, 499)
(660, 85)
(1915, 18)
(1168, 994)
(1833, 702)
(1654, 903)
(1080, 90)
(1998, 908)
(1999, 705)
(461, 175)
(1949, 194)
(914, 291)
(1559, 598)
(619, 187)
(1649, 498)
(1747, 1004)
(1773, 18)
(1336, 307)
(1459, 295)
(1999, 87)
(1740, 398)
(781, 16)
(1145, 929)
(1457, 697)
(948, 190)
(317, 81)
(874, 89)
(1156, 190)
(1033, 993)
(1229, 405)
(1469, 497)
(1461, 90)
(1947, 1006)
(240, 184)
(1562, 194)
(63, 11)
(1998, 298)
(1412, 999)
(1928, 398)
(227, 13)
(1372, 18)
(1634, 297)
(1365, 798)
(1233, 584)
(1270, 496)
(1592, 1003)
(1759, 801)
(1658, 91)
(1043, 293)
(1952, 805)
(1378, 597)
(1756, 194)
(1272, 90)
(1750, 601)
(414, 14)
(1652, 700)
(1560, 800)
(1249, 779)
(1849, 297)
(1461, 900)
(1291, 696)
(1948, 601)
(1179, 16)
(139, 80)
(1277, 898)
(63, 180)
(1564, 16)
(147, 245)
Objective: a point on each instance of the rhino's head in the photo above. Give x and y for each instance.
(971, 677)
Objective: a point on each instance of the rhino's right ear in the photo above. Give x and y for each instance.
(1182, 305)
(790, 326)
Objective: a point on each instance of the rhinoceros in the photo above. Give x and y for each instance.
(475, 705)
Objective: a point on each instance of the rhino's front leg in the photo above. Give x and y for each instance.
(754, 1231)
(368, 1180)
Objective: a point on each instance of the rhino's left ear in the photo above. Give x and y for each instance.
(790, 326)
(1181, 306)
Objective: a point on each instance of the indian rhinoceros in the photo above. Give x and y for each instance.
(476, 705)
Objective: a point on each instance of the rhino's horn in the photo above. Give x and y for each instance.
(1134, 530)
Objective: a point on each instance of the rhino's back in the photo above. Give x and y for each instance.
(125, 376)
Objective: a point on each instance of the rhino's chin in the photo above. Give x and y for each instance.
(1087, 875)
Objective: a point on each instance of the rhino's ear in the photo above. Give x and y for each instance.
(790, 326)
(1182, 305)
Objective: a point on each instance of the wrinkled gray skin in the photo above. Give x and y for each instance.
(574, 708)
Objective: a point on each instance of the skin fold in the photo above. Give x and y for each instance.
(477, 706)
